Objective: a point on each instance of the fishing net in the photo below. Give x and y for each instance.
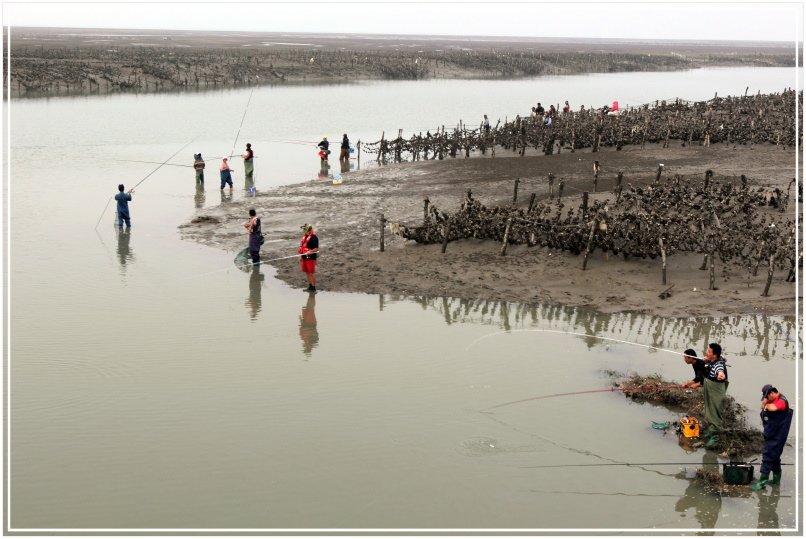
(242, 261)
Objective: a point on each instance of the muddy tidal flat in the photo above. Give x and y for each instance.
(346, 218)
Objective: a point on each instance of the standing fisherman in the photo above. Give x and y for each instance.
(252, 226)
(198, 165)
(226, 175)
(323, 149)
(776, 415)
(715, 387)
(308, 247)
(123, 206)
(248, 165)
(345, 149)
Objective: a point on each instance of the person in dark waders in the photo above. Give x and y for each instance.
(248, 166)
(776, 416)
(198, 166)
(123, 200)
(715, 387)
(252, 226)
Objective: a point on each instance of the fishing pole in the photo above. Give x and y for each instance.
(472, 344)
(615, 464)
(146, 177)
(612, 389)
(152, 162)
(637, 464)
(242, 119)
(249, 264)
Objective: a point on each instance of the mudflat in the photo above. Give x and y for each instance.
(346, 218)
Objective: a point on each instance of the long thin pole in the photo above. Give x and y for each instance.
(232, 153)
(637, 388)
(152, 162)
(147, 175)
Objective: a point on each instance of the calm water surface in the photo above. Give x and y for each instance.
(153, 385)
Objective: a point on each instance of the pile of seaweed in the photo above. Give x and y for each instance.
(738, 439)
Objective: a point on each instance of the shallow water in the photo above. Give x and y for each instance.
(154, 385)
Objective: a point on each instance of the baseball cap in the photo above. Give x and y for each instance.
(767, 389)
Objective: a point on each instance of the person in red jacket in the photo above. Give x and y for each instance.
(308, 248)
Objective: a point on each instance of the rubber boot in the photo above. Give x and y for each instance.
(776, 478)
(763, 479)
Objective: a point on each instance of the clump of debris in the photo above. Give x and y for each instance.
(738, 440)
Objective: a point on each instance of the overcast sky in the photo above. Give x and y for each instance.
(771, 21)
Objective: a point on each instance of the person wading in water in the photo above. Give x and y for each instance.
(248, 165)
(252, 226)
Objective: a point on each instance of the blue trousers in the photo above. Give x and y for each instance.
(776, 430)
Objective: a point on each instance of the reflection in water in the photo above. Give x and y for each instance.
(756, 335)
(768, 510)
(707, 504)
(255, 285)
(200, 197)
(226, 196)
(124, 251)
(307, 325)
(323, 170)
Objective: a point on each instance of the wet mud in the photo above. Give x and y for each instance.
(347, 219)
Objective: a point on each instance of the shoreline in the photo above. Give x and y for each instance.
(346, 218)
(80, 61)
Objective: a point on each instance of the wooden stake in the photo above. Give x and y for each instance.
(383, 229)
(594, 226)
(531, 202)
(506, 237)
(663, 259)
(769, 276)
(447, 228)
(515, 194)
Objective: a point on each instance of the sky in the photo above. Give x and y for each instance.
(720, 20)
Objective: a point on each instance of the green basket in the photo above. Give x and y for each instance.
(737, 473)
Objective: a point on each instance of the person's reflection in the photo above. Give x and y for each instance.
(200, 197)
(768, 510)
(124, 251)
(706, 503)
(307, 325)
(255, 285)
(323, 170)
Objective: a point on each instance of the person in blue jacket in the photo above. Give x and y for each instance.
(123, 200)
